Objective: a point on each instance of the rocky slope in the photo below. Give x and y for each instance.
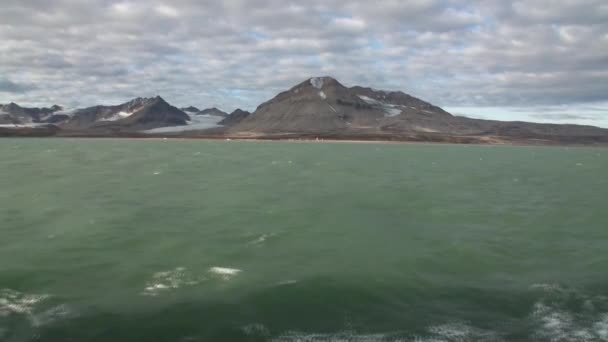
(318, 107)
(138, 114)
(234, 118)
(324, 106)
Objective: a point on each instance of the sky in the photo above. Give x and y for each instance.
(536, 60)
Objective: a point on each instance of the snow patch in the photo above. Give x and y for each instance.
(369, 100)
(322, 94)
(118, 116)
(25, 125)
(317, 82)
(388, 108)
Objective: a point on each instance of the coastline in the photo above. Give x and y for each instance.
(326, 137)
(480, 142)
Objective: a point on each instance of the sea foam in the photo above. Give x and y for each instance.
(169, 280)
(15, 302)
(225, 273)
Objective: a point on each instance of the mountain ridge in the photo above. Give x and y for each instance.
(316, 107)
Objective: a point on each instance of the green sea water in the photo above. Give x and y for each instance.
(132, 240)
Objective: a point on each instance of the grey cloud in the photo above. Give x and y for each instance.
(238, 53)
(8, 86)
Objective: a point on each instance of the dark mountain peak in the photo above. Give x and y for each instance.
(154, 100)
(140, 102)
(56, 108)
(235, 117)
(191, 109)
(12, 106)
(239, 111)
(213, 111)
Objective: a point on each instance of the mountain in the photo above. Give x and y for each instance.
(323, 106)
(190, 109)
(13, 114)
(213, 112)
(209, 111)
(320, 107)
(234, 118)
(137, 114)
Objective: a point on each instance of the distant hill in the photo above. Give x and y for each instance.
(213, 112)
(235, 117)
(190, 109)
(13, 114)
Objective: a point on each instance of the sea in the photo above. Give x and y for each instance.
(115, 240)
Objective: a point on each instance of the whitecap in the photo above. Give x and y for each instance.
(547, 287)
(287, 282)
(345, 336)
(262, 238)
(256, 329)
(15, 302)
(169, 280)
(224, 272)
(554, 319)
(459, 331)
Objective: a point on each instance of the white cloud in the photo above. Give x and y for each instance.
(167, 11)
(350, 24)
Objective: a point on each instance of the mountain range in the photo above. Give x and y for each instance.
(320, 107)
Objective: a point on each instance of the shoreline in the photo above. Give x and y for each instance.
(480, 142)
(326, 137)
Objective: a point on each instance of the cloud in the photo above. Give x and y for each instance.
(239, 53)
(167, 11)
(8, 86)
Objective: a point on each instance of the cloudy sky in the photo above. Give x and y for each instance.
(540, 60)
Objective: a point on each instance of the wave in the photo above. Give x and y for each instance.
(166, 281)
(15, 302)
(224, 272)
(33, 310)
(345, 336)
(559, 314)
(262, 238)
(566, 315)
